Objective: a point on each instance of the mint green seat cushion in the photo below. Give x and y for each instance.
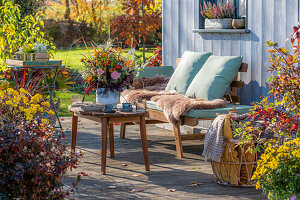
(156, 71)
(189, 66)
(214, 78)
(211, 113)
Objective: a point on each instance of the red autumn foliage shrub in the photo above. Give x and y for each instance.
(280, 112)
(157, 58)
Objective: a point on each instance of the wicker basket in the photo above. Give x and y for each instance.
(236, 166)
(237, 163)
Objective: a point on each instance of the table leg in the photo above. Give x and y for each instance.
(51, 93)
(74, 131)
(111, 140)
(104, 122)
(144, 142)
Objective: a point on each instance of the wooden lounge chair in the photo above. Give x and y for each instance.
(156, 115)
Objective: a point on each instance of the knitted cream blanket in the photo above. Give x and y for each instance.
(214, 143)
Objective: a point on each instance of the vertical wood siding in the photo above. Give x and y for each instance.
(267, 20)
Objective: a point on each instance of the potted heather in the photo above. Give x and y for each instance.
(108, 71)
(217, 16)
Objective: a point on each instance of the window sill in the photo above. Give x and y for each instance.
(229, 31)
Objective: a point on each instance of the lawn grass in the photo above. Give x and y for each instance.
(66, 101)
(71, 57)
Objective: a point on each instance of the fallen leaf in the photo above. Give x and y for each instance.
(136, 175)
(112, 187)
(171, 190)
(138, 190)
(124, 164)
(83, 174)
(193, 182)
(62, 119)
(194, 185)
(100, 151)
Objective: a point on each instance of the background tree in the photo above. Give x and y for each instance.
(28, 7)
(89, 18)
(141, 19)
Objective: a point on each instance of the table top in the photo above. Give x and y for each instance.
(102, 114)
(11, 63)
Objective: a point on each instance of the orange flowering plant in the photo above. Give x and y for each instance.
(107, 68)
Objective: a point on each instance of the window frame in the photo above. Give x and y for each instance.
(201, 21)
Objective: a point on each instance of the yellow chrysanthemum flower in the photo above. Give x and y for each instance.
(50, 112)
(46, 103)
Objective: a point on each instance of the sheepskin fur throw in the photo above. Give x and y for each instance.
(133, 96)
(144, 89)
(174, 106)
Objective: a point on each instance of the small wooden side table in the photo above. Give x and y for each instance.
(107, 120)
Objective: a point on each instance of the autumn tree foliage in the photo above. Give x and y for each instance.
(96, 15)
(141, 19)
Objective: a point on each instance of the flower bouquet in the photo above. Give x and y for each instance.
(108, 71)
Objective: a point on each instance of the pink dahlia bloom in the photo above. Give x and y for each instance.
(115, 75)
(100, 71)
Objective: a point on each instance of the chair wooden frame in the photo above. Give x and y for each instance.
(157, 117)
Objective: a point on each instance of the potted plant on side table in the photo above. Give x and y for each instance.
(30, 52)
(41, 54)
(26, 53)
(217, 16)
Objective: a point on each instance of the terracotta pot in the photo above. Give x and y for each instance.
(225, 23)
(238, 23)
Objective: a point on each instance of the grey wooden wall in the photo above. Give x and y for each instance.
(267, 20)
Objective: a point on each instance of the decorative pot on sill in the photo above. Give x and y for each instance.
(108, 98)
(225, 23)
(238, 23)
(42, 57)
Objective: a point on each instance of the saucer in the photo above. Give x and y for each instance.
(109, 111)
(126, 109)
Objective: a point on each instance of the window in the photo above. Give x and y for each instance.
(239, 13)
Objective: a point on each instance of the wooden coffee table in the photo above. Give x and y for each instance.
(107, 120)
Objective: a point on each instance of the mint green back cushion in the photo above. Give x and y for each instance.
(156, 71)
(214, 78)
(189, 66)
